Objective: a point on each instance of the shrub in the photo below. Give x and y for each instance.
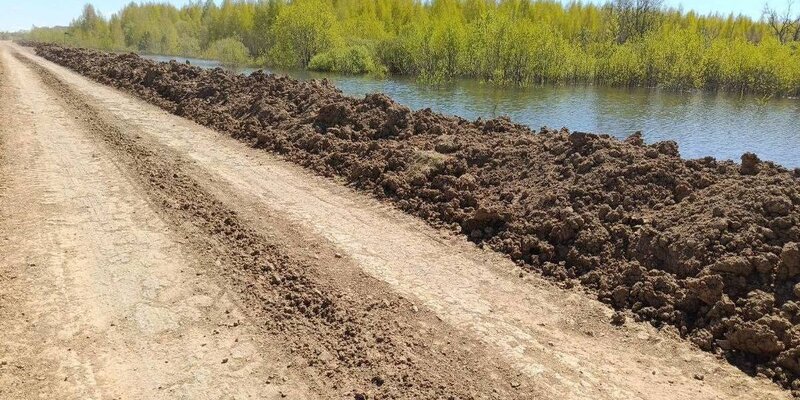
(348, 60)
(231, 52)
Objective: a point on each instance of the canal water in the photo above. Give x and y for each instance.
(721, 125)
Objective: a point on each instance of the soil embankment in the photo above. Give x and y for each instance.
(710, 247)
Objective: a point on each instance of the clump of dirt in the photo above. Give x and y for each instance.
(710, 247)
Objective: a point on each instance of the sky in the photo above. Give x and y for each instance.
(22, 14)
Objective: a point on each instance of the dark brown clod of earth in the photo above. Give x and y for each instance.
(750, 164)
(710, 247)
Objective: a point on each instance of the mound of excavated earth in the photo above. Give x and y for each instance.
(710, 247)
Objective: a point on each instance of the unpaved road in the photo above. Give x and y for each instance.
(144, 256)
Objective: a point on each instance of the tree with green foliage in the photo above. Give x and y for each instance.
(635, 18)
(303, 29)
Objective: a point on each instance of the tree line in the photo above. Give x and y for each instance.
(520, 42)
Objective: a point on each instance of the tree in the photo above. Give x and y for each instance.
(303, 29)
(784, 25)
(265, 14)
(88, 20)
(636, 17)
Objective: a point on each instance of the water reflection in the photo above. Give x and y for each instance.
(716, 124)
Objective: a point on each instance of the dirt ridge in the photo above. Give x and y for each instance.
(708, 246)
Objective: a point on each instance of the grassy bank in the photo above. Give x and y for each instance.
(517, 42)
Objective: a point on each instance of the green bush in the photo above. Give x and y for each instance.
(395, 55)
(623, 67)
(230, 52)
(348, 60)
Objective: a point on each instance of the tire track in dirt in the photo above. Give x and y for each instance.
(360, 348)
(594, 354)
(97, 299)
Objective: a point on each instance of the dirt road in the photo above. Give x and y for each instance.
(144, 256)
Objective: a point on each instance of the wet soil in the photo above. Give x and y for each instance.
(709, 247)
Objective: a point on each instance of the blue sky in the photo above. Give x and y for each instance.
(22, 14)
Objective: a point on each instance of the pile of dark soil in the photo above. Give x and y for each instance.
(709, 247)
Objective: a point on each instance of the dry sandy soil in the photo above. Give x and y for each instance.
(144, 256)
